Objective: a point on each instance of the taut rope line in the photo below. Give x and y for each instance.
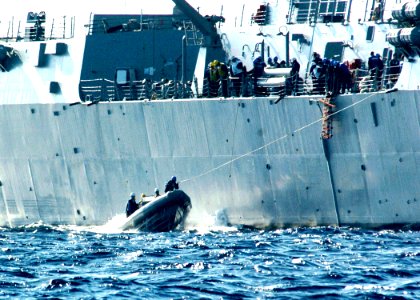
(277, 140)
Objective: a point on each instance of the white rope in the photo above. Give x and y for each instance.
(276, 140)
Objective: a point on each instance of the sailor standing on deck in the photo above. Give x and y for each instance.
(294, 74)
(213, 79)
(237, 72)
(258, 72)
(171, 185)
(132, 205)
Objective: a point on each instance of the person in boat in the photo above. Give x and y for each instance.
(171, 185)
(157, 194)
(142, 200)
(132, 205)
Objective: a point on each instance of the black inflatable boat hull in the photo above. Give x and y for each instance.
(165, 213)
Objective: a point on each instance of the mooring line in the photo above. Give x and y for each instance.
(276, 140)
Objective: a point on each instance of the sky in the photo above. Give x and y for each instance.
(13, 15)
(72, 7)
(17, 10)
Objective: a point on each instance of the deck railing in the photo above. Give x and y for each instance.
(100, 24)
(107, 90)
(361, 81)
(14, 30)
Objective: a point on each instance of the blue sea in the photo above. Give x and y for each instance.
(61, 262)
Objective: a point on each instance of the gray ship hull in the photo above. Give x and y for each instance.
(264, 164)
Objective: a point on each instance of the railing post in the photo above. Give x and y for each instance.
(64, 27)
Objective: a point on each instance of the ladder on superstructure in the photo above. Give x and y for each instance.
(193, 36)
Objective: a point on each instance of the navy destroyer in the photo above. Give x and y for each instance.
(94, 108)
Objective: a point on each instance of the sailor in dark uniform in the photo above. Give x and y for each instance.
(132, 205)
(171, 185)
(157, 194)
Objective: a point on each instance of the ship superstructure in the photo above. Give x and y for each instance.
(94, 109)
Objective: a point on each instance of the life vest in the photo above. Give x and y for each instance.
(214, 74)
(222, 70)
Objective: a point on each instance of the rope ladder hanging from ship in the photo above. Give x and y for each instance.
(327, 111)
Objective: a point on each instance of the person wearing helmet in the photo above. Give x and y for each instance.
(213, 79)
(132, 205)
(143, 200)
(157, 194)
(171, 185)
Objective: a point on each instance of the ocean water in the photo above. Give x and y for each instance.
(50, 262)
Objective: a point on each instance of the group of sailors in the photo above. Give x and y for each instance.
(133, 205)
(334, 77)
(331, 76)
(218, 75)
(232, 78)
(326, 75)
